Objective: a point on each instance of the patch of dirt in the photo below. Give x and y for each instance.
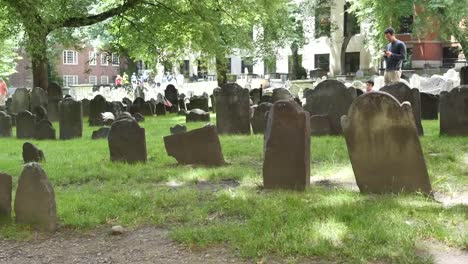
(442, 254)
(449, 200)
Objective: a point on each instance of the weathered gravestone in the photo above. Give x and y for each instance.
(259, 119)
(20, 101)
(232, 109)
(5, 125)
(454, 112)
(142, 107)
(116, 108)
(35, 199)
(160, 109)
(330, 98)
(97, 106)
(320, 125)
(256, 95)
(101, 133)
(280, 94)
(199, 146)
(405, 94)
(31, 153)
(71, 119)
(178, 129)
(85, 104)
(40, 113)
(197, 115)
(128, 103)
(125, 115)
(127, 141)
(464, 75)
(139, 117)
(181, 103)
(5, 195)
(25, 125)
(287, 147)
(384, 147)
(266, 99)
(38, 97)
(44, 130)
(199, 102)
(429, 106)
(172, 95)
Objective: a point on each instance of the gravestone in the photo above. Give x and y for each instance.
(44, 130)
(20, 101)
(139, 117)
(101, 133)
(199, 102)
(38, 97)
(97, 106)
(199, 146)
(85, 104)
(266, 99)
(40, 113)
(178, 129)
(128, 103)
(259, 119)
(35, 199)
(384, 146)
(160, 109)
(286, 162)
(405, 94)
(280, 94)
(6, 186)
(320, 125)
(454, 112)
(172, 94)
(71, 119)
(429, 106)
(330, 98)
(107, 118)
(124, 115)
(142, 107)
(464, 75)
(54, 92)
(25, 125)
(127, 141)
(31, 153)
(232, 109)
(256, 95)
(181, 102)
(116, 108)
(5, 125)
(197, 115)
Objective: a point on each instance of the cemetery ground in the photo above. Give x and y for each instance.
(224, 210)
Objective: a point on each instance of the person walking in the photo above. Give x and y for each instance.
(394, 54)
(3, 94)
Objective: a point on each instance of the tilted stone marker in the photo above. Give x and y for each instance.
(429, 106)
(199, 146)
(71, 119)
(259, 119)
(44, 130)
(25, 125)
(5, 125)
(21, 101)
(97, 106)
(384, 146)
(454, 112)
(35, 199)
(405, 94)
(330, 98)
(6, 186)
(320, 125)
(232, 109)
(178, 129)
(101, 133)
(31, 153)
(286, 163)
(127, 141)
(197, 115)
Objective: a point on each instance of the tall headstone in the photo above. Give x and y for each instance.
(464, 75)
(5, 125)
(39, 97)
(25, 125)
(127, 141)
(35, 199)
(171, 93)
(429, 106)
(454, 112)
(20, 101)
(330, 98)
(44, 130)
(405, 94)
(232, 109)
(55, 95)
(71, 119)
(286, 163)
(259, 119)
(384, 146)
(97, 106)
(5, 196)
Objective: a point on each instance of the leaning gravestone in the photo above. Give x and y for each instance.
(429, 106)
(405, 94)
(101, 133)
(197, 115)
(127, 142)
(232, 109)
(330, 98)
(44, 130)
(5, 125)
(20, 101)
(199, 102)
(71, 119)
(6, 187)
(454, 112)
(38, 97)
(35, 199)
(384, 147)
(280, 94)
(31, 153)
(287, 147)
(256, 95)
(259, 119)
(97, 106)
(464, 75)
(25, 125)
(172, 95)
(199, 146)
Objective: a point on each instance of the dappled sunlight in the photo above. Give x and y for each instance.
(329, 230)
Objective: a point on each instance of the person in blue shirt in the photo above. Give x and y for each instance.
(394, 54)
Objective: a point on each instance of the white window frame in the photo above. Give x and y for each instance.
(92, 58)
(105, 77)
(67, 82)
(115, 58)
(66, 54)
(95, 80)
(104, 59)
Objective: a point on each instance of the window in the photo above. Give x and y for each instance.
(322, 21)
(247, 63)
(69, 80)
(104, 79)
(92, 58)
(351, 25)
(70, 57)
(322, 61)
(93, 79)
(115, 59)
(352, 62)
(406, 25)
(104, 59)
(229, 65)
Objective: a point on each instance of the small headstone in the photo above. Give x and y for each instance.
(71, 119)
(232, 109)
(384, 146)
(260, 117)
(6, 187)
(139, 117)
(39, 97)
(280, 94)
(40, 113)
(181, 103)
(287, 147)
(197, 115)
(25, 125)
(5, 125)
(44, 130)
(97, 106)
(35, 199)
(178, 129)
(31, 153)
(21, 101)
(199, 146)
(429, 106)
(127, 141)
(320, 125)
(199, 102)
(101, 133)
(160, 109)
(454, 112)
(256, 95)
(464, 75)
(116, 108)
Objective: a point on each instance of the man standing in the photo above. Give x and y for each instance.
(394, 54)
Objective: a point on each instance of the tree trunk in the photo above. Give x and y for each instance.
(295, 62)
(38, 52)
(221, 70)
(344, 46)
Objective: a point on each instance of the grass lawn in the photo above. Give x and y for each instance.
(202, 207)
